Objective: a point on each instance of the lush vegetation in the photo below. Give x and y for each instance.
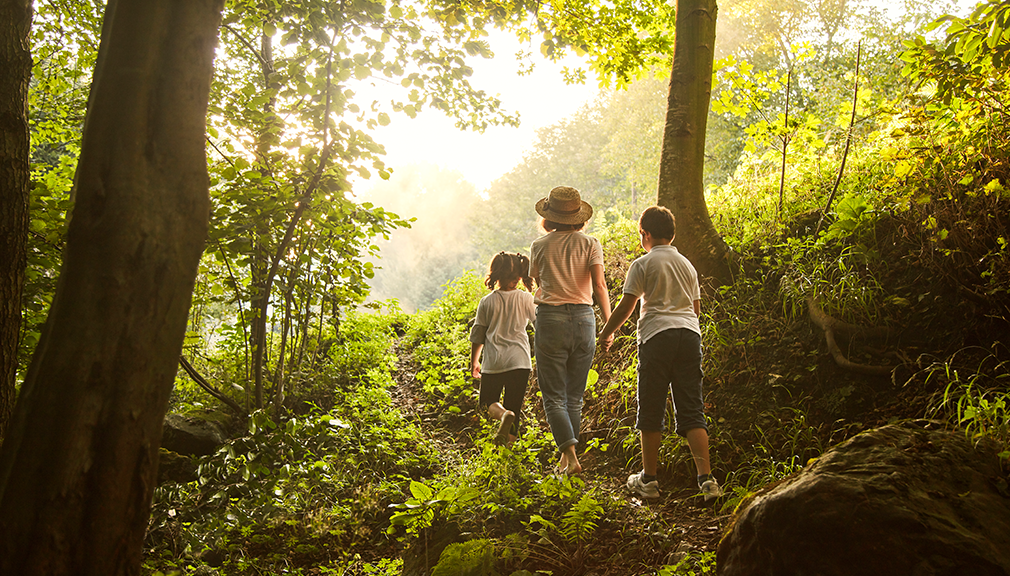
(879, 193)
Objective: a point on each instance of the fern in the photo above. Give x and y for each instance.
(580, 522)
(472, 558)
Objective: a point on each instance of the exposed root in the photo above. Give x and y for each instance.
(832, 325)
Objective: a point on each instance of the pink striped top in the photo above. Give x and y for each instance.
(560, 261)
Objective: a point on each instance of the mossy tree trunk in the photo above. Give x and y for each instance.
(15, 70)
(682, 164)
(79, 463)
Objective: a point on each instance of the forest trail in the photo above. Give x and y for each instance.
(675, 525)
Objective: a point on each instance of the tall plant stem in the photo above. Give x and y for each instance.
(785, 142)
(848, 139)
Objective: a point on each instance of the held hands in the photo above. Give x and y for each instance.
(604, 343)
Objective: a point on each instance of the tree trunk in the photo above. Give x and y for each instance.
(79, 464)
(15, 69)
(682, 164)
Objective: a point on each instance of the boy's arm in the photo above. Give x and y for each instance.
(697, 308)
(600, 290)
(621, 314)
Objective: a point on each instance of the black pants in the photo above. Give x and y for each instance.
(514, 384)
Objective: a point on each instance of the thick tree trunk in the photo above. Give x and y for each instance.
(682, 164)
(79, 464)
(15, 69)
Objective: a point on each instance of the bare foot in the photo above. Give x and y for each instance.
(569, 465)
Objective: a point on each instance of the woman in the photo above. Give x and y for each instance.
(567, 266)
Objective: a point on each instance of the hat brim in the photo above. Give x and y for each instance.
(585, 213)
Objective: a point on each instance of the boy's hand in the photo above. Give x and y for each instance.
(475, 370)
(605, 343)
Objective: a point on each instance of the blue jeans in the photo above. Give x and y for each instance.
(565, 342)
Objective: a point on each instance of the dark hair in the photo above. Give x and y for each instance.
(507, 267)
(659, 222)
(550, 225)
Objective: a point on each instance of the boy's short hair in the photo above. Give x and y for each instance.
(658, 221)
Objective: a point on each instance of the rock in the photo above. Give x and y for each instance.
(173, 467)
(191, 436)
(903, 499)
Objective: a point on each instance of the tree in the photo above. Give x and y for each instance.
(289, 135)
(15, 68)
(79, 463)
(567, 152)
(682, 165)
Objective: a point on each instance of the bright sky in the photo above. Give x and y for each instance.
(541, 98)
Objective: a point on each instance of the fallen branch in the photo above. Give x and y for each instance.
(202, 383)
(832, 325)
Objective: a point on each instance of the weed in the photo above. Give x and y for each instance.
(976, 399)
(693, 564)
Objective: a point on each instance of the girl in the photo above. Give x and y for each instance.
(567, 265)
(500, 331)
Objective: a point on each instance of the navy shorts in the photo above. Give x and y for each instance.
(671, 360)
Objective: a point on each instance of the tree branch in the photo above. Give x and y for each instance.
(202, 382)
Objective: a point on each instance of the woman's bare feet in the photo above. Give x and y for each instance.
(569, 463)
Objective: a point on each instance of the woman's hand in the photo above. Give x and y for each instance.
(604, 344)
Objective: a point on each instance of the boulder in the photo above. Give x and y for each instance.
(908, 498)
(191, 436)
(174, 467)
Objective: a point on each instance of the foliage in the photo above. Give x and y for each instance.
(470, 558)
(970, 61)
(64, 45)
(622, 40)
(440, 339)
(312, 479)
(975, 397)
(691, 565)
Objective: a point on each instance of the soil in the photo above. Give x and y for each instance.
(642, 536)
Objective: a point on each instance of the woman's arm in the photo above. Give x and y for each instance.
(600, 293)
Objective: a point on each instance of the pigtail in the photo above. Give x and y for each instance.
(499, 268)
(506, 267)
(523, 263)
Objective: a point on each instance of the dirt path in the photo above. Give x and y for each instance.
(675, 525)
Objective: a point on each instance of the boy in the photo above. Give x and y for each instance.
(669, 349)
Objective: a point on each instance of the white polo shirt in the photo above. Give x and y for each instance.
(667, 283)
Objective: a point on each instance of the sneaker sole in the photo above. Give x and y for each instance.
(502, 437)
(635, 491)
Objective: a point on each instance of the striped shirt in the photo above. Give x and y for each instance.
(560, 261)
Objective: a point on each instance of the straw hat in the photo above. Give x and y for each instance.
(564, 205)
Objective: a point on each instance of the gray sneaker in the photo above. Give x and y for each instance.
(643, 489)
(711, 489)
